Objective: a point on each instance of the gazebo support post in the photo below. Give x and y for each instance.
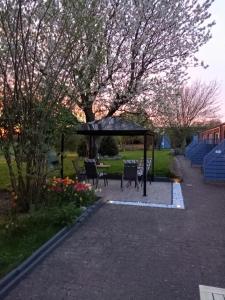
(90, 147)
(94, 147)
(145, 162)
(62, 155)
(153, 158)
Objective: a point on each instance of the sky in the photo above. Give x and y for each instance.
(213, 54)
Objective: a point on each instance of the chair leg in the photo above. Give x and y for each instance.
(137, 184)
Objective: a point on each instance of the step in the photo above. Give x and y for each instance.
(211, 293)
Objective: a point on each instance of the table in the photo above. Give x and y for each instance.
(103, 166)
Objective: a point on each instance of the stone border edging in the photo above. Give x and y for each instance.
(14, 276)
(177, 200)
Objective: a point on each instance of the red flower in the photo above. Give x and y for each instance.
(80, 186)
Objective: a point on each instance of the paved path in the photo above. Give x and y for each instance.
(135, 253)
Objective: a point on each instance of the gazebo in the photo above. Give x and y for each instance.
(116, 126)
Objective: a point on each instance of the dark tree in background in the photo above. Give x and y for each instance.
(82, 148)
(108, 146)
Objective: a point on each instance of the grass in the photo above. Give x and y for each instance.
(163, 160)
(4, 174)
(14, 249)
(21, 236)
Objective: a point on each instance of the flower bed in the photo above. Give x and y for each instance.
(67, 190)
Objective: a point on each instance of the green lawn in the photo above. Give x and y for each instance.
(21, 236)
(162, 162)
(4, 174)
(162, 165)
(14, 249)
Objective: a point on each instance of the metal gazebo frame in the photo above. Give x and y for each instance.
(115, 126)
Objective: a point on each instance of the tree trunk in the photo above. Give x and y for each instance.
(90, 116)
(87, 108)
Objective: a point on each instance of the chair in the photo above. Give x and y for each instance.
(141, 169)
(130, 174)
(80, 173)
(92, 172)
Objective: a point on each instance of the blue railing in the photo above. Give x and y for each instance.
(198, 152)
(218, 149)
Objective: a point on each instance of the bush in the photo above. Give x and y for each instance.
(58, 216)
(82, 149)
(108, 146)
(71, 141)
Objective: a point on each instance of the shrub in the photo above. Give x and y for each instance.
(108, 146)
(58, 216)
(71, 141)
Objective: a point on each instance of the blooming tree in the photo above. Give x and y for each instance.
(133, 48)
(34, 52)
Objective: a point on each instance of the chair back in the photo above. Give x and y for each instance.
(91, 169)
(130, 171)
(141, 166)
(149, 164)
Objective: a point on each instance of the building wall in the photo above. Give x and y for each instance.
(223, 131)
(215, 134)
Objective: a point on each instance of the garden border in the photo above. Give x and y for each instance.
(17, 274)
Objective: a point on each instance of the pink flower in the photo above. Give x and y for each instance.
(80, 186)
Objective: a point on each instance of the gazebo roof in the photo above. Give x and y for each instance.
(112, 126)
